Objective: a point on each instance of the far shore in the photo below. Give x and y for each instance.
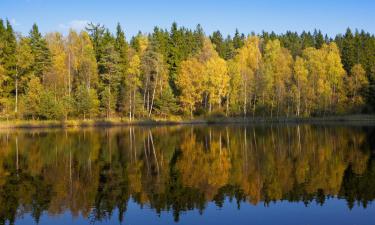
(117, 122)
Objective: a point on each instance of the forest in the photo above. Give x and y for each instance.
(183, 73)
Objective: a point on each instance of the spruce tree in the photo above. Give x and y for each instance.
(109, 73)
(318, 39)
(217, 40)
(121, 46)
(307, 40)
(40, 51)
(348, 56)
(238, 40)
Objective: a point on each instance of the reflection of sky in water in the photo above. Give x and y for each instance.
(334, 211)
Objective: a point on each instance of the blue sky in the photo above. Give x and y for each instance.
(331, 16)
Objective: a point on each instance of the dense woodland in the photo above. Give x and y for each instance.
(97, 173)
(183, 73)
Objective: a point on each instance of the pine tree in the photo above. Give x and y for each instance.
(238, 40)
(109, 74)
(166, 105)
(307, 40)
(9, 51)
(121, 47)
(292, 42)
(217, 40)
(348, 51)
(96, 32)
(318, 39)
(40, 51)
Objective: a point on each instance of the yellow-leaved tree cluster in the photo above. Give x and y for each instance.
(263, 79)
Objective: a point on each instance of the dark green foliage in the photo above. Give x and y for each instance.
(8, 46)
(224, 47)
(167, 104)
(359, 48)
(293, 42)
(110, 54)
(96, 32)
(307, 40)
(86, 102)
(318, 39)
(238, 39)
(42, 55)
(121, 47)
(10, 50)
(348, 53)
(50, 108)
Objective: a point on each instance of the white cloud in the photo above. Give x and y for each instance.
(78, 24)
(74, 24)
(14, 22)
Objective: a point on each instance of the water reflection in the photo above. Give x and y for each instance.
(95, 172)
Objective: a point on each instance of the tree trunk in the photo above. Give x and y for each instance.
(109, 103)
(227, 111)
(153, 94)
(152, 102)
(255, 99)
(69, 80)
(133, 104)
(16, 106)
(245, 100)
(130, 106)
(148, 100)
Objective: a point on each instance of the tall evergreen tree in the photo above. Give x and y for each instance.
(121, 47)
(238, 40)
(109, 74)
(40, 51)
(217, 40)
(318, 39)
(348, 55)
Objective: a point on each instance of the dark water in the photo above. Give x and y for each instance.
(295, 174)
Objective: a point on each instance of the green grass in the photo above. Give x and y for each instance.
(368, 119)
(335, 119)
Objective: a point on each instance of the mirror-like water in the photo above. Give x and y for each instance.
(280, 174)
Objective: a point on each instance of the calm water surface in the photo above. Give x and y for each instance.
(280, 174)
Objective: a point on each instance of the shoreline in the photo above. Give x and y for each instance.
(31, 124)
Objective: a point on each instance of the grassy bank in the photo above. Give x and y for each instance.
(365, 119)
(334, 119)
(92, 123)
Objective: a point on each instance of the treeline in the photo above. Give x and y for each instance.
(183, 72)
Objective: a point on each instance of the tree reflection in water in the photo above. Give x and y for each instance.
(93, 172)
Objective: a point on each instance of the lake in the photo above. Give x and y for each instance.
(202, 174)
